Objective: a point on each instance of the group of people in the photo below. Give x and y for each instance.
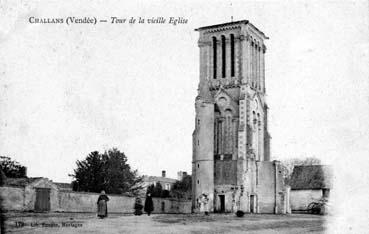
(102, 205)
(148, 208)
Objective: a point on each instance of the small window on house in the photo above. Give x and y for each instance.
(198, 122)
(198, 182)
(198, 165)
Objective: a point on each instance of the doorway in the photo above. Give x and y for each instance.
(42, 200)
(222, 203)
(252, 203)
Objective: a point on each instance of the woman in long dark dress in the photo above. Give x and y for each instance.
(102, 206)
(149, 205)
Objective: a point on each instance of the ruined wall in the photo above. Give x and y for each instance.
(300, 199)
(13, 198)
(266, 187)
(272, 196)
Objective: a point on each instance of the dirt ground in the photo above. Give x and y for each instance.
(163, 223)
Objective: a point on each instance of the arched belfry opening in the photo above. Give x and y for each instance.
(214, 45)
(224, 56)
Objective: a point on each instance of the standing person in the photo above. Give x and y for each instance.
(204, 204)
(149, 205)
(102, 206)
(138, 206)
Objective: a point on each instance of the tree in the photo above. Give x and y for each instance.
(11, 168)
(288, 165)
(108, 171)
(157, 190)
(183, 188)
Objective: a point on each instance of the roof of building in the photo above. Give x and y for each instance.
(20, 182)
(232, 23)
(311, 177)
(63, 185)
(158, 179)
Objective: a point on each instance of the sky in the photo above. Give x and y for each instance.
(69, 90)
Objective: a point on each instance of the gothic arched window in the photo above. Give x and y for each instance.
(229, 132)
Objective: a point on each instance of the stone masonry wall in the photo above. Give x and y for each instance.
(12, 198)
(300, 199)
(20, 199)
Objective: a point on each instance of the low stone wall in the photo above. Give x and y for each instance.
(173, 206)
(20, 199)
(86, 202)
(12, 198)
(70, 201)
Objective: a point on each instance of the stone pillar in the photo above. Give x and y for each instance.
(263, 68)
(261, 129)
(259, 68)
(252, 64)
(205, 58)
(219, 58)
(235, 136)
(244, 62)
(276, 187)
(228, 56)
(256, 66)
(238, 60)
(222, 136)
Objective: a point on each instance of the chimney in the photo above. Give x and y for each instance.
(163, 173)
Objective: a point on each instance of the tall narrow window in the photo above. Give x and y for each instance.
(232, 55)
(223, 56)
(214, 57)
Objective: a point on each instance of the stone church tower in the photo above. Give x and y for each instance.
(231, 149)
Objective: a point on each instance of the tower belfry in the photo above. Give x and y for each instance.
(231, 138)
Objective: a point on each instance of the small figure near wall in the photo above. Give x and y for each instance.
(204, 203)
(102, 205)
(138, 206)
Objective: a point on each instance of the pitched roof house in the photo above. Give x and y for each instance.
(309, 184)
